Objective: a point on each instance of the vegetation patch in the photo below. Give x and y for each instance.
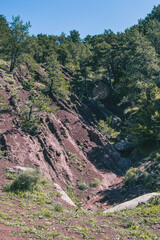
(106, 128)
(58, 207)
(149, 176)
(4, 65)
(82, 185)
(25, 181)
(95, 183)
(70, 190)
(3, 105)
(9, 79)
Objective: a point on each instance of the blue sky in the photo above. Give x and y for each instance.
(87, 16)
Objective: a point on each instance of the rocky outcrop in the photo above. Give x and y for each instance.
(18, 169)
(64, 196)
(124, 147)
(67, 148)
(132, 203)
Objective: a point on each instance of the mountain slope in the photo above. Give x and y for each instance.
(67, 148)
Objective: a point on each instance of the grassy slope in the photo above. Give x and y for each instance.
(41, 215)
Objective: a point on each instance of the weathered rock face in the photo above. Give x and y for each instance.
(133, 203)
(124, 146)
(67, 147)
(64, 196)
(18, 169)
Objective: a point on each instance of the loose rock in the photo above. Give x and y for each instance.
(132, 203)
(124, 146)
(64, 196)
(18, 169)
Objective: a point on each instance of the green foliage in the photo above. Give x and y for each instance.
(56, 82)
(9, 80)
(19, 32)
(95, 182)
(34, 70)
(53, 234)
(70, 190)
(145, 120)
(1, 154)
(29, 84)
(83, 231)
(28, 60)
(11, 176)
(132, 177)
(127, 63)
(5, 34)
(73, 156)
(3, 105)
(106, 128)
(3, 65)
(25, 181)
(82, 185)
(30, 126)
(149, 177)
(4, 215)
(58, 207)
(31, 111)
(39, 102)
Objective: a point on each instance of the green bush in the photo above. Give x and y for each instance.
(82, 185)
(95, 182)
(4, 65)
(25, 181)
(1, 153)
(59, 207)
(149, 177)
(9, 79)
(144, 124)
(73, 156)
(132, 177)
(30, 126)
(105, 127)
(3, 105)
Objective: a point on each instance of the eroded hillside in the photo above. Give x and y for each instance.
(66, 147)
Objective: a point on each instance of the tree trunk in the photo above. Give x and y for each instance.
(12, 64)
(51, 87)
(110, 80)
(30, 113)
(13, 60)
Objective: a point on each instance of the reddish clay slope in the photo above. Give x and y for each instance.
(68, 148)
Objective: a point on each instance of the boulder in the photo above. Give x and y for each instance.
(124, 146)
(64, 196)
(18, 169)
(133, 203)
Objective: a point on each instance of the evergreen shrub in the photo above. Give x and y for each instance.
(25, 181)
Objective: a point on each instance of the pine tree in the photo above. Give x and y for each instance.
(19, 32)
